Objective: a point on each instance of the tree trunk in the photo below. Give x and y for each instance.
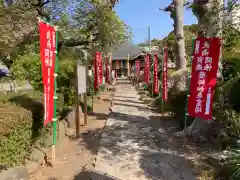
(180, 43)
(210, 18)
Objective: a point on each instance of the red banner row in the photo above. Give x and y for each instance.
(203, 75)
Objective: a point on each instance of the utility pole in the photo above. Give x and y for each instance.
(149, 38)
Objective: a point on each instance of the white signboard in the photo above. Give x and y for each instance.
(82, 79)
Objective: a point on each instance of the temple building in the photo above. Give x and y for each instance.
(124, 56)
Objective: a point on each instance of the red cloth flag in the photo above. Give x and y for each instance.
(203, 77)
(100, 68)
(155, 75)
(164, 77)
(147, 69)
(97, 70)
(48, 57)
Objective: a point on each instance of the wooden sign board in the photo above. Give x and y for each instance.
(82, 79)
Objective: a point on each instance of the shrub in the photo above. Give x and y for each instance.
(234, 98)
(177, 104)
(15, 134)
(224, 111)
(21, 124)
(233, 165)
(33, 102)
(231, 68)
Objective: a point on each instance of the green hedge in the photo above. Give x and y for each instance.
(21, 124)
(15, 134)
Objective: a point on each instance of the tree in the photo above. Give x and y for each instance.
(210, 16)
(16, 27)
(181, 60)
(75, 29)
(176, 13)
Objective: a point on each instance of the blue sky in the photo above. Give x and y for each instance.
(141, 13)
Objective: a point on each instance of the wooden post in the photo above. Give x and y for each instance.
(128, 67)
(93, 74)
(85, 100)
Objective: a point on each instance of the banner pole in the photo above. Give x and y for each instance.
(152, 77)
(162, 104)
(93, 79)
(85, 95)
(162, 84)
(55, 105)
(188, 90)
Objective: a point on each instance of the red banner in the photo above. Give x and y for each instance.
(147, 69)
(101, 69)
(107, 70)
(97, 70)
(164, 76)
(203, 77)
(155, 75)
(47, 54)
(137, 67)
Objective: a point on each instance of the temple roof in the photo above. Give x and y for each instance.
(121, 51)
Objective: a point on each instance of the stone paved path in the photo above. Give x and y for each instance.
(128, 146)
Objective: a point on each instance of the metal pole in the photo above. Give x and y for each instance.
(77, 114)
(85, 102)
(85, 94)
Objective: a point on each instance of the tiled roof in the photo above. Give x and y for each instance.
(122, 51)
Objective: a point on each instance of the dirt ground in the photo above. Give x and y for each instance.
(75, 155)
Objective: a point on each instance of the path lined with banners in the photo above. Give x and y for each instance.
(133, 148)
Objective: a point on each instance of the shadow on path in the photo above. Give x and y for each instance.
(99, 116)
(128, 101)
(139, 144)
(139, 107)
(159, 156)
(93, 175)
